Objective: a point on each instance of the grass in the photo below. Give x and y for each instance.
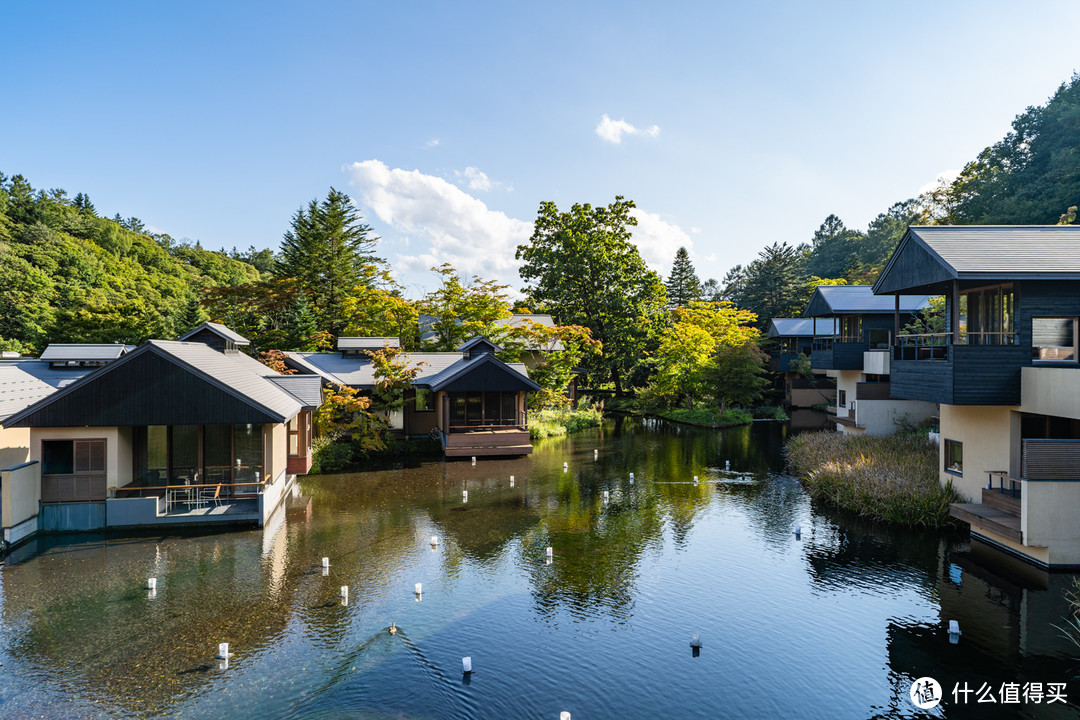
(552, 422)
(893, 478)
(711, 417)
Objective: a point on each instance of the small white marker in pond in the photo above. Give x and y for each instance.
(464, 496)
(695, 479)
(631, 477)
(434, 539)
(466, 664)
(798, 531)
(151, 584)
(419, 588)
(564, 715)
(511, 481)
(695, 641)
(595, 452)
(607, 497)
(954, 632)
(223, 651)
(344, 594)
(473, 459)
(549, 552)
(565, 465)
(326, 562)
(727, 464)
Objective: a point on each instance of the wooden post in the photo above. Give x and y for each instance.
(954, 312)
(896, 318)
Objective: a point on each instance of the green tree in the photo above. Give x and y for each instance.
(834, 249)
(325, 249)
(773, 285)
(377, 307)
(193, 317)
(461, 312)
(582, 264)
(682, 284)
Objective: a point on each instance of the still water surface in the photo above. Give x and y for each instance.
(833, 624)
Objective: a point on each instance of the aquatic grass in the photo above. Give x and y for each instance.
(893, 478)
(707, 417)
(552, 422)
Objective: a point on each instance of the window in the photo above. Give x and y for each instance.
(879, 339)
(1053, 339)
(954, 457)
(72, 470)
(841, 398)
(424, 401)
(851, 328)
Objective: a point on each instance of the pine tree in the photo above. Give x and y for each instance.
(83, 205)
(326, 248)
(301, 325)
(683, 284)
(193, 316)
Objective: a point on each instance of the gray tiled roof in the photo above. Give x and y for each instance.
(359, 371)
(463, 366)
(1011, 250)
(367, 343)
(859, 299)
(24, 382)
(94, 352)
(801, 327)
(218, 329)
(305, 388)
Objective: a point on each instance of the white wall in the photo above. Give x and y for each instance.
(118, 453)
(21, 488)
(1050, 391)
(1048, 518)
(879, 417)
(14, 446)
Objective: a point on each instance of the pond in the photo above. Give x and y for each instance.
(835, 622)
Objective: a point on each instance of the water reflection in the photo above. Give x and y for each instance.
(602, 630)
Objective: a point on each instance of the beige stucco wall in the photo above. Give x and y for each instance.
(879, 417)
(846, 381)
(14, 446)
(1048, 518)
(991, 438)
(1050, 391)
(276, 449)
(876, 362)
(118, 453)
(21, 494)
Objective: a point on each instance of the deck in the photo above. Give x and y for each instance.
(487, 442)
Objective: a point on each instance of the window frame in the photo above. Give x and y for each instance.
(947, 456)
(1075, 344)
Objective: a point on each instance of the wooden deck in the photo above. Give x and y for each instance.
(981, 516)
(487, 443)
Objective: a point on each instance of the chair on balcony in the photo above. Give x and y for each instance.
(211, 495)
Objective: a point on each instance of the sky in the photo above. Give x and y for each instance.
(730, 125)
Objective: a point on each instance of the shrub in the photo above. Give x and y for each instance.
(886, 478)
(328, 455)
(551, 422)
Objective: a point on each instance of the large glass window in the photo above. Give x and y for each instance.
(424, 401)
(185, 452)
(457, 408)
(988, 317)
(851, 328)
(247, 446)
(1053, 339)
(157, 454)
(474, 408)
(954, 457)
(57, 457)
(509, 407)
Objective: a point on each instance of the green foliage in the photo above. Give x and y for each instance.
(707, 417)
(802, 365)
(462, 312)
(773, 285)
(552, 422)
(892, 478)
(682, 284)
(67, 275)
(583, 265)
(329, 455)
(377, 307)
(326, 249)
(834, 249)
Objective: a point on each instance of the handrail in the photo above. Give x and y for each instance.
(142, 488)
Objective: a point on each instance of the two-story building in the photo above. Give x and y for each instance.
(790, 339)
(1004, 370)
(853, 333)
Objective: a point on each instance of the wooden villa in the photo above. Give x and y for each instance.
(473, 401)
(1005, 372)
(853, 333)
(788, 339)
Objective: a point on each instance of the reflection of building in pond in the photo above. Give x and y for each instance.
(1009, 614)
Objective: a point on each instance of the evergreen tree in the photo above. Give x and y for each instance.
(83, 205)
(300, 325)
(193, 316)
(326, 248)
(683, 284)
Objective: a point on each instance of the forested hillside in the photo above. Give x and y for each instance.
(68, 275)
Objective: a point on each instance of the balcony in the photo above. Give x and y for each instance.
(840, 353)
(982, 369)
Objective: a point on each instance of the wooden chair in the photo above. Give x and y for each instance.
(214, 497)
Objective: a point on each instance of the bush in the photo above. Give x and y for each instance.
(329, 456)
(552, 422)
(710, 417)
(891, 478)
(770, 412)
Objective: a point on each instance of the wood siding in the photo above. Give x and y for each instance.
(488, 377)
(972, 375)
(1051, 460)
(147, 390)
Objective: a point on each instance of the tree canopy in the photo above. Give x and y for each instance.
(682, 284)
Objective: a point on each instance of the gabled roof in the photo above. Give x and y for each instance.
(929, 256)
(801, 327)
(83, 352)
(167, 383)
(219, 330)
(359, 372)
(475, 342)
(367, 343)
(858, 300)
(513, 374)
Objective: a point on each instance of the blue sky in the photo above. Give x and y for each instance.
(737, 124)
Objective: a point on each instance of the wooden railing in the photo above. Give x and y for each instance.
(252, 488)
(935, 346)
(487, 425)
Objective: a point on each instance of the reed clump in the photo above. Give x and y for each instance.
(893, 478)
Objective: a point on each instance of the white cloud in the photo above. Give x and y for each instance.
(943, 178)
(456, 227)
(658, 240)
(613, 130)
(433, 142)
(476, 179)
